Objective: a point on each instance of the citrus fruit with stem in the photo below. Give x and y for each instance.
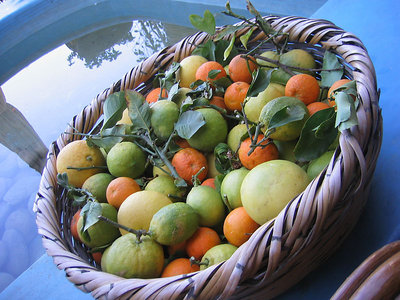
(241, 68)
(130, 257)
(164, 114)
(138, 209)
(126, 159)
(268, 188)
(208, 68)
(201, 241)
(298, 58)
(317, 165)
(165, 185)
(188, 162)
(316, 106)
(213, 132)
(179, 266)
(216, 255)
(265, 151)
(239, 226)
(174, 223)
(235, 136)
(101, 233)
(79, 161)
(186, 74)
(155, 94)
(235, 95)
(97, 185)
(230, 187)
(270, 54)
(304, 87)
(254, 105)
(119, 189)
(291, 130)
(208, 204)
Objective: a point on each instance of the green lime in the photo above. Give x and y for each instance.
(97, 185)
(207, 202)
(230, 187)
(174, 224)
(126, 159)
(213, 132)
(298, 58)
(164, 114)
(235, 135)
(289, 131)
(101, 233)
(317, 165)
(217, 254)
(129, 257)
(165, 185)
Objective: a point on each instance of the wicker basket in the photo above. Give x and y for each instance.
(378, 277)
(281, 252)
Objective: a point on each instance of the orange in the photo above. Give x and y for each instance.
(74, 223)
(182, 143)
(204, 70)
(187, 162)
(335, 85)
(119, 189)
(179, 266)
(201, 241)
(304, 87)
(317, 106)
(235, 95)
(97, 257)
(259, 154)
(177, 249)
(218, 101)
(241, 68)
(210, 182)
(154, 95)
(238, 226)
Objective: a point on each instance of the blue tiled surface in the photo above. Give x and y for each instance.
(376, 24)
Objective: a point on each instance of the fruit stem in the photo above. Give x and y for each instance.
(138, 233)
(193, 261)
(195, 180)
(87, 168)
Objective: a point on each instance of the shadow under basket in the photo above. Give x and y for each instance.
(281, 252)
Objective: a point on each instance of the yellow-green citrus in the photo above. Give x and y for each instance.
(164, 114)
(165, 185)
(97, 185)
(230, 187)
(235, 135)
(187, 71)
(217, 254)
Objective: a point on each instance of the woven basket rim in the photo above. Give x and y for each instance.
(284, 249)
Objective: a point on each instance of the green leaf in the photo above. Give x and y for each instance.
(213, 73)
(287, 114)
(330, 62)
(228, 50)
(108, 138)
(218, 181)
(189, 123)
(90, 212)
(219, 52)
(245, 37)
(261, 80)
(346, 111)
(113, 107)
(62, 180)
(169, 79)
(173, 92)
(139, 110)
(318, 133)
(206, 50)
(229, 29)
(206, 24)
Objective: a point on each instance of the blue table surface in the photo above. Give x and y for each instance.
(377, 24)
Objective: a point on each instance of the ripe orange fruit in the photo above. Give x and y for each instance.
(241, 68)
(204, 70)
(304, 87)
(179, 266)
(97, 257)
(154, 95)
(218, 101)
(177, 249)
(201, 241)
(235, 95)
(210, 182)
(119, 189)
(259, 155)
(317, 106)
(187, 162)
(74, 227)
(182, 143)
(238, 226)
(335, 85)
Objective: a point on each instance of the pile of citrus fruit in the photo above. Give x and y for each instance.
(185, 173)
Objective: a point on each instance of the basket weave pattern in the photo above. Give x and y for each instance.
(281, 252)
